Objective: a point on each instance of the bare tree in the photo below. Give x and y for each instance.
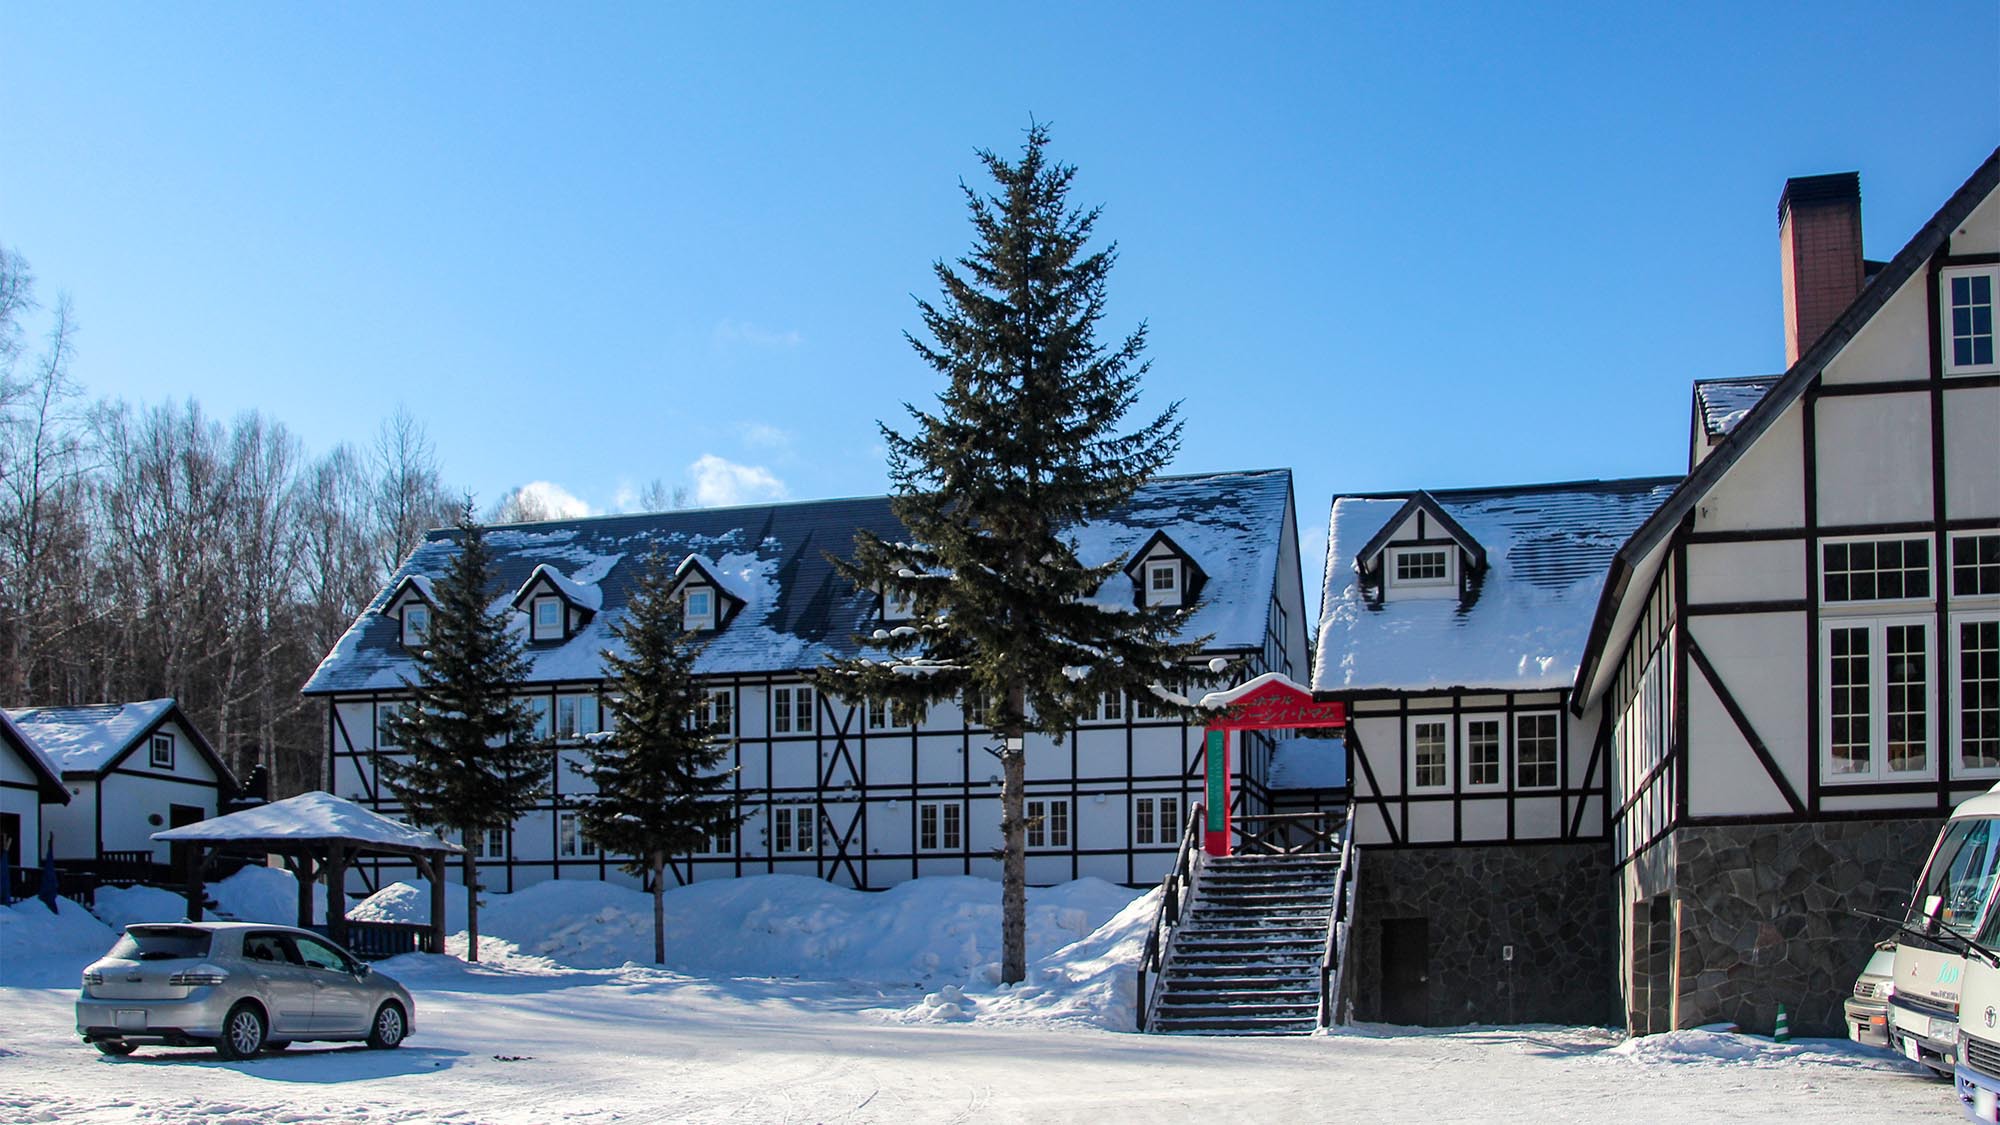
(409, 493)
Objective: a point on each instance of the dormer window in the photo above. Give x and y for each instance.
(416, 623)
(897, 605)
(1163, 583)
(1421, 566)
(698, 606)
(1164, 575)
(1421, 552)
(547, 623)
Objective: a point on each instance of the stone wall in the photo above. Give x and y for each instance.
(1761, 916)
(1549, 901)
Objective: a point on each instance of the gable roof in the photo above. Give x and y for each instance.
(1524, 625)
(93, 738)
(582, 595)
(1722, 403)
(1420, 501)
(798, 612)
(47, 779)
(1932, 237)
(317, 817)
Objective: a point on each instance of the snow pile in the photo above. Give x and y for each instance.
(38, 948)
(264, 894)
(1714, 1045)
(119, 907)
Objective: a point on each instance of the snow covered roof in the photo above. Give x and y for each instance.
(1421, 501)
(1722, 403)
(1308, 763)
(797, 611)
(93, 737)
(310, 818)
(582, 595)
(53, 791)
(1524, 625)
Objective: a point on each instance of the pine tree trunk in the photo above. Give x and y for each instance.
(659, 908)
(1014, 863)
(471, 896)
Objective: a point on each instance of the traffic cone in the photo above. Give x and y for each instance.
(1781, 1032)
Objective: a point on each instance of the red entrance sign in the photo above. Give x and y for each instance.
(1269, 702)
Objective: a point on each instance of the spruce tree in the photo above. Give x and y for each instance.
(661, 788)
(470, 759)
(1023, 448)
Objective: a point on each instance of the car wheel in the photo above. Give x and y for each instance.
(389, 1027)
(117, 1048)
(242, 1033)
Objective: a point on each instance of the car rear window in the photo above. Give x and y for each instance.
(161, 943)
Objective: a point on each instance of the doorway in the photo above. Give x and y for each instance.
(179, 816)
(1406, 970)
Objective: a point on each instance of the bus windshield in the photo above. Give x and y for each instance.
(1960, 876)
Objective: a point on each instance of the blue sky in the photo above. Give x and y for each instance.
(1387, 247)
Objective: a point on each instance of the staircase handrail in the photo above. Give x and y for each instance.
(1175, 890)
(1339, 926)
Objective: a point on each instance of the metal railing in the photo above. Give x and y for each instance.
(1300, 833)
(1339, 929)
(1176, 891)
(378, 941)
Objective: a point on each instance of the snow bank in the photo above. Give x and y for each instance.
(264, 894)
(1713, 1046)
(40, 949)
(119, 907)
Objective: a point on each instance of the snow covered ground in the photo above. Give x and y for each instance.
(790, 1000)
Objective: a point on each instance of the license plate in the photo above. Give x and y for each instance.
(1910, 1049)
(1984, 1105)
(131, 1019)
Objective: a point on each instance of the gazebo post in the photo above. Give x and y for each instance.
(336, 894)
(434, 870)
(195, 891)
(302, 868)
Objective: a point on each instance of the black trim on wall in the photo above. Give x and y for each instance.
(1743, 724)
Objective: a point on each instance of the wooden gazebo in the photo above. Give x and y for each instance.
(319, 834)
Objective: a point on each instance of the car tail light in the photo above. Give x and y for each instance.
(92, 976)
(194, 978)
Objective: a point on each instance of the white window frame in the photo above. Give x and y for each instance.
(551, 630)
(792, 709)
(1420, 587)
(898, 605)
(1949, 566)
(1957, 720)
(1049, 826)
(802, 826)
(1410, 733)
(1111, 706)
(417, 627)
(718, 711)
(946, 829)
(1945, 339)
(693, 619)
(887, 714)
(572, 842)
(164, 740)
(1555, 764)
(588, 716)
(492, 843)
(384, 711)
(545, 719)
(713, 844)
(1169, 594)
(1878, 699)
(1500, 766)
(1153, 810)
(1931, 554)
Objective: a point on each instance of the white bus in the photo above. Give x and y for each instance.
(1948, 912)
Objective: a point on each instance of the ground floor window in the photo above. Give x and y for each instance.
(490, 843)
(722, 842)
(794, 830)
(1430, 754)
(572, 842)
(1877, 676)
(1048, 822)
(1978, 691)
(1537, 752)
(1484, 753)
(940, 826)
(1156, 820)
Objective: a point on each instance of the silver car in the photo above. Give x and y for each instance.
(238, 987)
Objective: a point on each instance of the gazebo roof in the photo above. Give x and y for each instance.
(309, 819)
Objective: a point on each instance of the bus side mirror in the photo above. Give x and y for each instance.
(1933, 906)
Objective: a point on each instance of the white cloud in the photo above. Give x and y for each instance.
(761, 435)
(557, 502)
(719, 482)
(732, 332)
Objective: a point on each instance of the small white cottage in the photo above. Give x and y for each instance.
(28, 780)
(130, 769)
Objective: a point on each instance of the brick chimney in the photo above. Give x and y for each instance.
(1819, 246)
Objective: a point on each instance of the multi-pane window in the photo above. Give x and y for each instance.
(1111, 705)
(976, 711)
(385, 713)
(538, 706)
(940, 826)
(1156, 820)
(1048, 822)
(572, 842)
(1537, 751)
(548, 619)
(491, 843)
(886, 713)
(722, 842)
(1482, 753)
(416, 623)
(1968, 320)
(1975, 566)
(1978, 693)
(1420, 566)
(792, 710)
(1430, 762)
(1871, 570)
(576, 716)
(793, 830)
(698, 608)
(162, 751)
(1163, 578)
(1878, 698)
(718, 711)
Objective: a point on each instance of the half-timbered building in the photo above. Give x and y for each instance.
(1452, 624)
(28, 780)
(1798, 655)
(848, 790)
